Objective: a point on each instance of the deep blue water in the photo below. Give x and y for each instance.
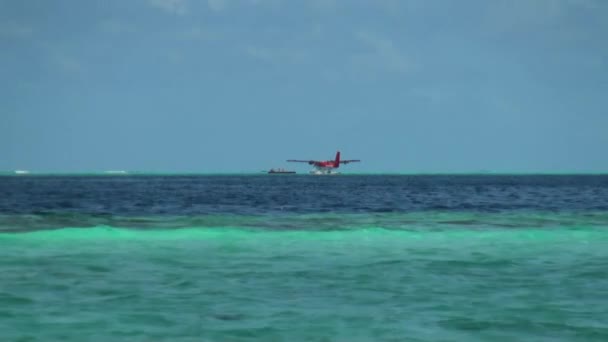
(261, 195)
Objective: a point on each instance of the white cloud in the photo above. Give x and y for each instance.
(323, 5)
(217, 5)
(15, 30)
(523, 16)
(221, 5)
(588, 4)
(179, 7)
(271, 3)
(277, 55)
(67, 63)
(175, 57)
(260, 53)
(197, 33)
(116, 27)
(60, 57)
(381, 53)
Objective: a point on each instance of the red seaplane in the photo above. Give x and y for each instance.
(325, 167)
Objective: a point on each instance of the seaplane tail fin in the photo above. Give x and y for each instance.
(337, 161)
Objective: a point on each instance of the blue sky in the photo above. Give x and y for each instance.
(237, 86)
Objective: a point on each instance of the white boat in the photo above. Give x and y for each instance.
(116, 172)
(22, 172)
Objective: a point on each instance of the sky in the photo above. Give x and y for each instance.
(242, 85)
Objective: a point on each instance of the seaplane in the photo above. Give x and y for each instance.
(325, 167)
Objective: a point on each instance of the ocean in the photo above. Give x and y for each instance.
(304, 258)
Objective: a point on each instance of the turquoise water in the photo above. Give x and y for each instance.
(356, 284)
(297, 258)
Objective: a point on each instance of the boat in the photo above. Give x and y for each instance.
(280, 171)
(22, 172)
(116, 172)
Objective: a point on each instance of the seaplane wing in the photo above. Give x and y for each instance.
(302, 161)
(325, 167)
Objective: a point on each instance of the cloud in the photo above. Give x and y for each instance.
(15, 30)
(266, 2)
(61, 57)
(198, 34)
(277, 55)
(260, 53)
(221, 5)
(522, 16)
(381, 53)
(217, 5)
(67, 63)
(323, 5)
(175, 57)
(179, 7)
(116, 27)
(588, 4)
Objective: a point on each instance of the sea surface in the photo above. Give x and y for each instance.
(304, 258)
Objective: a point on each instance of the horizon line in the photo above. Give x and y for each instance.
(379, 173)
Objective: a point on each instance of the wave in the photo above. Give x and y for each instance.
(366, 234)
(312, 222)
